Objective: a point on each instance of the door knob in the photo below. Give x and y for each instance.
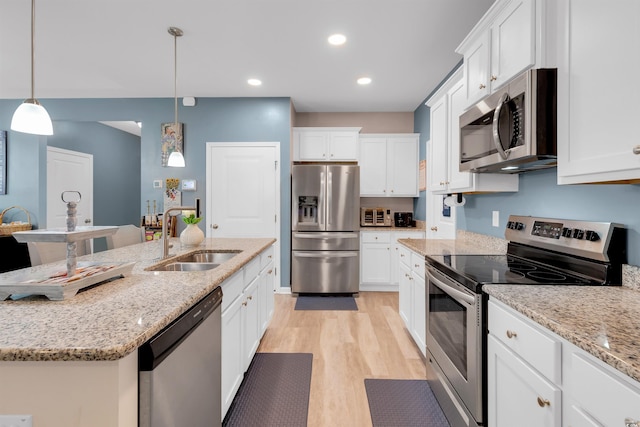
(87, 221)
(543, 402)
(636, 149)
(434, 228)
(214, 226)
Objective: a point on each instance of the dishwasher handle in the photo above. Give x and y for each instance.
(154, 351)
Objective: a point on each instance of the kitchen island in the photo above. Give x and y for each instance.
(74, 362)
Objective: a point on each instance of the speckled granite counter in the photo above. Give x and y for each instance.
(602, 320)
(111, 320)
(465, 243)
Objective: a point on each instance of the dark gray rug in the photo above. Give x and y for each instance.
(323, 302)
(274, 392)
(403, 403)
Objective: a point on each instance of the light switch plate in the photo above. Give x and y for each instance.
(16, 421)
(495, 219)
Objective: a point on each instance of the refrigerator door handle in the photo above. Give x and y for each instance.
(321, 202)
(336, 235)
(324, 254)
(329, 196)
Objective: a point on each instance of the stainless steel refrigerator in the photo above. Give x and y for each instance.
(325, 224)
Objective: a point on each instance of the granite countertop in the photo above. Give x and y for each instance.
(111, 320)
(602, 320)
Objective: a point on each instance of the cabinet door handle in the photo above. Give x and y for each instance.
(493, 78)
(214, 226)
(543, 402)
(628, 422)
(481, 86)
(434, 228)
(270, 271)
(250, 297)
(244, 303)
(636, 149)
(511, 334)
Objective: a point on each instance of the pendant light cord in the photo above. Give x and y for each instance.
(33, 47)
(175, 79)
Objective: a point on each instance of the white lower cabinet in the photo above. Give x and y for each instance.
(412, 296)
(379, 258)
(537, 378)
(247, 308)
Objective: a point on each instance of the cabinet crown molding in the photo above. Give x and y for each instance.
(483, 24)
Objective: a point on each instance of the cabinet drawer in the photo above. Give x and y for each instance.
(404, 254)
(266, 257)
(602, 395)
(538, 348)
(251, 270)
(232, 289)
(375, 237)
(417, 264)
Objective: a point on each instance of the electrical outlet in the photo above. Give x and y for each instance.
(16, 421)
(495, 220)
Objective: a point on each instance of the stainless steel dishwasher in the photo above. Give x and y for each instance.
(179, 370)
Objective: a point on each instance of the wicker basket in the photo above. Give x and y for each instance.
(8, 229)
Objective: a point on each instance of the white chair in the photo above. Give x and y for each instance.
(46, 252)
(125, 236)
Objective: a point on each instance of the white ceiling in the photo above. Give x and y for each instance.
(121, 49)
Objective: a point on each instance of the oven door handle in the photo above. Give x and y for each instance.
(450, 290)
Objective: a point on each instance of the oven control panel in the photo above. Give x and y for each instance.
(583, 238)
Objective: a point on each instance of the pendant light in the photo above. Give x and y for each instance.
(30, 116)
(176, 159)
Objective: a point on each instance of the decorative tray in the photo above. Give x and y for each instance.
(54, 283)
(62, 235)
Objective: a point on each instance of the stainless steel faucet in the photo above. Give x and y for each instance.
(165, 233)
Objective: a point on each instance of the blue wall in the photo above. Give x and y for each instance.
(539, 195)
(422, 125)
(116, 170)
(212, 119)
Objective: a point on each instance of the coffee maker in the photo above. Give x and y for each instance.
(403, 219)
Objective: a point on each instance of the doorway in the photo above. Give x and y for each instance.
(243, 192)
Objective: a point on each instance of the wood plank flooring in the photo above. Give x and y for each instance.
(347, 347)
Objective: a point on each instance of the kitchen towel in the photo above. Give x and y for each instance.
(274, 392)
(406, 403)
(324, 302)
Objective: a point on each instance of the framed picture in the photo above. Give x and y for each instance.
(3, 162)
(172, 140)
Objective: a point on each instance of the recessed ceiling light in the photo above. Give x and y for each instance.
(337, 39)
(254, 82)
(364, 80)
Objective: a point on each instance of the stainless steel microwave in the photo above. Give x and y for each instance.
(514, 129)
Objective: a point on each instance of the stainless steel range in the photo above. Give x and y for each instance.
(541, 251)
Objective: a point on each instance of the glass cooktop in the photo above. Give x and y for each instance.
(473, 271)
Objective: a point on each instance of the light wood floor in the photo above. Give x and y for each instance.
(347, 347)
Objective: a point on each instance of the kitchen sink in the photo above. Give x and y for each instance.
(196, 261)
(207, 257)
(186, 266)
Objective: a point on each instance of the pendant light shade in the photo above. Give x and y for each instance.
(30, 116)
(176, 159)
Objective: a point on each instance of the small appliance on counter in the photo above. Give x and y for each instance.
(375, 217)
(403, 219)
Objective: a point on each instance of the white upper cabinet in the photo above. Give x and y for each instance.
(443, 151)
(325, 144)
(389, 165)
(597, 136)
(510, 38)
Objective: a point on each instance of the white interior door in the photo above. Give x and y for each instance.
(243, 191)
(68, 171)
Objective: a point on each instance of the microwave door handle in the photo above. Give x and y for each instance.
(452, 292)
(496, 119)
